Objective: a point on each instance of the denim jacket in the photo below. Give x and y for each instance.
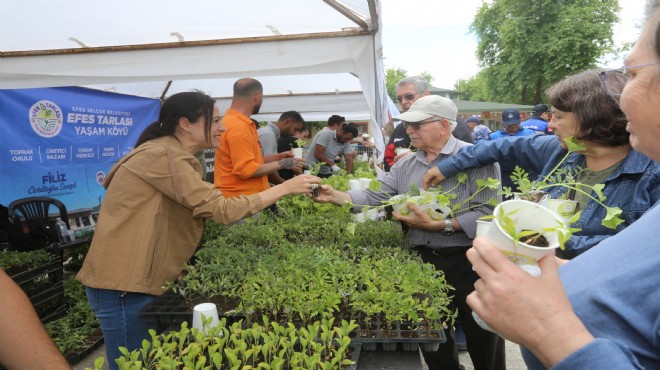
(634, 186)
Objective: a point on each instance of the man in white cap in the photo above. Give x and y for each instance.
(429, 123)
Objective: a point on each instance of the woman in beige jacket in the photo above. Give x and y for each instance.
(152, 216)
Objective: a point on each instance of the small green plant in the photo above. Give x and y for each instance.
(266, 345)
(567, 178)
(507, 224)
(299, 270)
(300, 143)
(14, 261)
(441, 199)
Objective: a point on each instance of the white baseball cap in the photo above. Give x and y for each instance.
(427, 107)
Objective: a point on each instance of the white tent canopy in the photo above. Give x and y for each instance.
(317, 57)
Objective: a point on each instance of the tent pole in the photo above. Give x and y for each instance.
(167, 87)
(348, 13)
(172, 45)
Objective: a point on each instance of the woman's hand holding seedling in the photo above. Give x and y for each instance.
(506, 295)
(432, 178)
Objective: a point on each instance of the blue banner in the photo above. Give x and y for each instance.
(61, 142)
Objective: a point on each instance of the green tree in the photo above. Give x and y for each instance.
(526, 46)
(427, 76)
(474, 88)
(392, 76)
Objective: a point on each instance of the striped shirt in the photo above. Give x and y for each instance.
(409, 170)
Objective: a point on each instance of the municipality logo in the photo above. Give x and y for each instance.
(100, 177)
(46, 118)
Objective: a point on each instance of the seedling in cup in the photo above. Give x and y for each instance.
(298, 152)
(525, 231)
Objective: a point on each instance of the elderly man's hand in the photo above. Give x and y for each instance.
(432, 177)
(532, 311)
(419, 219)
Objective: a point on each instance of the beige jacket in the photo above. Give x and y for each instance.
(152, 218)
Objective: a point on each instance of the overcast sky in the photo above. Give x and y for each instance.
(434, 36)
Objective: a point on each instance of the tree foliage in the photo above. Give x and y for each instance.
(393, 75)
(526, 46)
(474, 88)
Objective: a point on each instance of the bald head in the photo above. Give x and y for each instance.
(247, 87)
(248, 96)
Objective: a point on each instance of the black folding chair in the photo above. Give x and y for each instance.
(33, 216)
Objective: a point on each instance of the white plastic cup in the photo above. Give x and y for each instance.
(400, 151)
(205, 310)
(482, 227)
(530, 216)
(354, 184)
(297, 152)
(364, 183)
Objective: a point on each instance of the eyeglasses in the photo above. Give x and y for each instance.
(417, 125)
(614, 80)
(408, 96)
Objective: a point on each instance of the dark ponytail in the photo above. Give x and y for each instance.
(191, 105)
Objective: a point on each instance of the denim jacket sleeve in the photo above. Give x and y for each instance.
(531, 152)
(634, 187)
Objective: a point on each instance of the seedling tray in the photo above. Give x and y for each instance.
(45, 288)
(51, 270)
(168, 309)
(93, 342)
(404, 335)
(50, 304)
(171, 309)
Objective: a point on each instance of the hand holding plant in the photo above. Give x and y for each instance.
(567, 178)
(418, 218)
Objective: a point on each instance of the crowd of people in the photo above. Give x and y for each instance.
(597, 308)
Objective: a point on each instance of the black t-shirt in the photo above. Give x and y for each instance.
(285, 144)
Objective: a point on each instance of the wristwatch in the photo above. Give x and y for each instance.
(449, 228)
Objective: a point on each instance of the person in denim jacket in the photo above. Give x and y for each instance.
(583, 110)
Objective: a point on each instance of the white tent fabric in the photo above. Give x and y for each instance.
(317, 57)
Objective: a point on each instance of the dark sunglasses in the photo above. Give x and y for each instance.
(416, 125)
(405, 97)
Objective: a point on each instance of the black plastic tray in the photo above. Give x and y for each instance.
(407, 335)
(51, 268)
(95, 340)
(45, 288)
(170, 310)
(167, 310)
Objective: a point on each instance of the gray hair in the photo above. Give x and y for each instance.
(651, 7)
(452, 122)
(652, 13)
(420, 83)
